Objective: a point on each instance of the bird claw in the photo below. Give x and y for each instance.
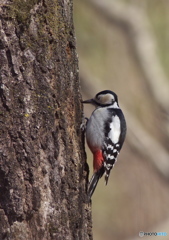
(84, 124)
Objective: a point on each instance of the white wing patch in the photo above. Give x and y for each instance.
(114, 133)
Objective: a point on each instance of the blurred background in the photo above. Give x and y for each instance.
(123, 46)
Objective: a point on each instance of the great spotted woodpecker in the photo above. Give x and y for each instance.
(105, 135)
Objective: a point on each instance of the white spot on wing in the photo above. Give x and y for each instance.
(108, 166)
(110, 156)
(110, 147)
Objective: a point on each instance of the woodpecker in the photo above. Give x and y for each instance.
(105, 135)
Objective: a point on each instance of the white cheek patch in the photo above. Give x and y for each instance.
(114, 133)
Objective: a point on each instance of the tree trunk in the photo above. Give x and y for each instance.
(43, 172)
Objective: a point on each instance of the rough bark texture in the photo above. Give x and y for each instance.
(43, 171)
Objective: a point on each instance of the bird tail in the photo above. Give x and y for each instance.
(107, 174)
(94, 181)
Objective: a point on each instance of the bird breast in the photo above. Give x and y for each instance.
(95, 129)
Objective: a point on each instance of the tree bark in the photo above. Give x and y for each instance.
(43, 172)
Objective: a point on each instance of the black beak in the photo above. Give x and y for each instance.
(88, 101)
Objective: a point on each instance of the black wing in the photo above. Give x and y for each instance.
(111, 149)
